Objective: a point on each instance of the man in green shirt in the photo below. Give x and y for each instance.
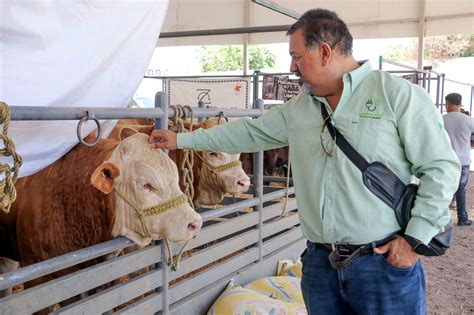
(386, 119)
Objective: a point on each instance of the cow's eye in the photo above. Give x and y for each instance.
(148, 187)
(213, 154)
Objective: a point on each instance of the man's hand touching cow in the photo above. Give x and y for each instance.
(163, 139)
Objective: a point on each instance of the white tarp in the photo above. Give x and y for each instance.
(90, 53)
(365, 19)
(221, 93)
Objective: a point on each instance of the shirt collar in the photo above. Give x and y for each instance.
(358, 75)
(353, 78)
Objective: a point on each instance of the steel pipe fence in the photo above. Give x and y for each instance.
(77, 113)
(240, 229)
(235, 242)
(427, 78)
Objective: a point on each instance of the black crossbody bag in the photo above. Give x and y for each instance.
(383, 183)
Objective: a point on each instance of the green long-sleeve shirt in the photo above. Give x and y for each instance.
(386, 119)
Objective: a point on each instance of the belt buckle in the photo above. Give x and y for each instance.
(341, 255)
(342, 248)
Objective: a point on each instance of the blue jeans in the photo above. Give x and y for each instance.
(461, 194)
(369, 285)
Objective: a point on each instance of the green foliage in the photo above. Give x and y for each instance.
(400, 52)
(260, 58)
(441, 48)
(437, 49)
(230, 58)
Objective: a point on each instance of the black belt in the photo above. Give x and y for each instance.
(342, 254)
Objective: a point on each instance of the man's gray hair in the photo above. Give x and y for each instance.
(324, 26)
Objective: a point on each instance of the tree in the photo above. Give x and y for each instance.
(230, 58)
(437, 49)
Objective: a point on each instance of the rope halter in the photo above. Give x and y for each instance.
(155, 210)
(219, 168)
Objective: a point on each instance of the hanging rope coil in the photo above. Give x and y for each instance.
(186, 168)
(288, 172)
(8, 174)
(187, 162)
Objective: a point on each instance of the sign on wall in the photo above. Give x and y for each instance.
(412, 78)
(221, 93)
(279, 88)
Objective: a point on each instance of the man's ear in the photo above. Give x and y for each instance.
(325, 52)
(104, 176)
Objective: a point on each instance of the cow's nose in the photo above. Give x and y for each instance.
(244, 183)
(194, 227)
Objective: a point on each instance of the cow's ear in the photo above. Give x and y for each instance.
(146, 129)
(103, 177)
(126, 132)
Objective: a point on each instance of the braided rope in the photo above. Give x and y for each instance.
(7, 184)
(170, 204)
(187, 162)
(288, 171)
(227, 166)
(160, 208)
(218, 168)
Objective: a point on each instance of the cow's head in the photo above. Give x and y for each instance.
(150, 204)
(220, 173)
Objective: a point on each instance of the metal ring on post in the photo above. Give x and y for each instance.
(87, 116)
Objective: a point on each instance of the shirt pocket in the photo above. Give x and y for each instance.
(375, 137)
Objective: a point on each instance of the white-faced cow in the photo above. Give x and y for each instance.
(215, 173)
(94, 194)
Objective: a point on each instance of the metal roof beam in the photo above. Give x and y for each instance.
(277, 8)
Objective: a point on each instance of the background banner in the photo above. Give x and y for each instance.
(222, 93)
(279, 88)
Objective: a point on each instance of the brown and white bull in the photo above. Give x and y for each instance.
(215, 173)
(95, 194)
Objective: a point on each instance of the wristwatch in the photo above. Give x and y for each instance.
(416, 244)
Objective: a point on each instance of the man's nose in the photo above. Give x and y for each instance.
(293, 67)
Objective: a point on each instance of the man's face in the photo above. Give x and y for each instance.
(447, 106)
(305, 62)
(452, 108)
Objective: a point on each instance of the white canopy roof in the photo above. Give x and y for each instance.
(365, 18)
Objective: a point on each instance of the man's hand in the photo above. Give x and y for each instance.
(400, 253)
(163, 139)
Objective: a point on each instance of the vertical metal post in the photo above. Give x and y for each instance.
(258, 185)
(438, 79)
(442, 89)
(429, 82)
(160, 102)
(421, 33)
(255, 78)
(472, 96)
(380, 62)
(245, 46)
(201, 105)
(165, 292)
(162, 123)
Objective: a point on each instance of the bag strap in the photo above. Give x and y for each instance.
(391, 179)
(345, 146)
